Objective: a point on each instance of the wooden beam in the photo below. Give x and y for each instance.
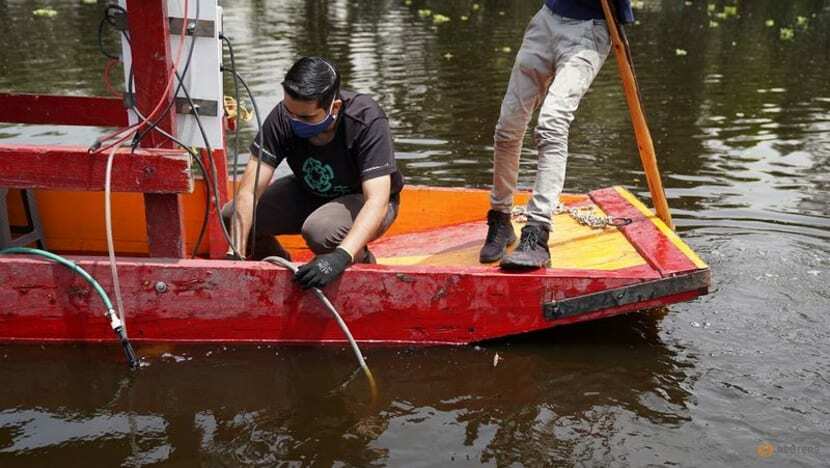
(62, 110)
(152, 67)
(74, 168)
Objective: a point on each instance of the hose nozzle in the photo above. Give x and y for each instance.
(118, 328)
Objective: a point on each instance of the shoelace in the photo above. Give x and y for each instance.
(529, 239)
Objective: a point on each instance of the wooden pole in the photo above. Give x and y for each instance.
(638, 119)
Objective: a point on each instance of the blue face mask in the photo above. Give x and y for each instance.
(307, 130)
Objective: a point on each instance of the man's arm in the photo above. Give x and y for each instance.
(376, 202)
(326, 267)
(241, 222)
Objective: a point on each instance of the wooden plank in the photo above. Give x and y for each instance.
(654, 245)
(218, 246)
(573, 246)
(62, 110)
(222, 301)
(74, 168)
(152, 65)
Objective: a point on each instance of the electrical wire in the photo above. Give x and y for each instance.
(235, 138)
(258, 159)
(154, 126)
(121, 135)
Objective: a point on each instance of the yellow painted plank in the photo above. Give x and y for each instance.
(572, 246)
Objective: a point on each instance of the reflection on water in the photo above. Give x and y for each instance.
(269, 404)
(741, 125)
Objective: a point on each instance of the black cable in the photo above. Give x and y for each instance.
(143, 133)
(109, 18)
(154, 125)
(236, 128)
(193, 154)
(195, 109)
(258, 159)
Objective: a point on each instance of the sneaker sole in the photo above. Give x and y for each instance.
(523, 266)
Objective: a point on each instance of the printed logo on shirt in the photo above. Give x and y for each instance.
(317, 176)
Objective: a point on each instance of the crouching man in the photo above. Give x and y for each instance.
(344, 188)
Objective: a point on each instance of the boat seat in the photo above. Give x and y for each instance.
(31, 233)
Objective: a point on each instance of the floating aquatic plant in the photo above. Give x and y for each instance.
(786, 34)
(769, 23)
(45, 12)
(424, 12)
(680, 52)
(440, 19)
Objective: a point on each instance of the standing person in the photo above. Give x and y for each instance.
(563, 49)
(344, 188)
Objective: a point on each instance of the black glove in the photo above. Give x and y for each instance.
(321, 270)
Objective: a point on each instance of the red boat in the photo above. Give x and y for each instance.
(427, 288)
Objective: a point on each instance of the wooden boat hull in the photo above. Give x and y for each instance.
(426, 291)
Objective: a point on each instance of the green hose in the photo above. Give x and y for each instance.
(115, 323)
(71, 265)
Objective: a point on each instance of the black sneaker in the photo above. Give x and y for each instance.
(499, 235)
(532, 251)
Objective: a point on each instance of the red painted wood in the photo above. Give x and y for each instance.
(218, 246)
(652, 244)
(62, 110)
(152, 65)
(74, 168)
(214, 300)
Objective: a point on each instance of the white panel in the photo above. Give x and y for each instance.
(204, 77)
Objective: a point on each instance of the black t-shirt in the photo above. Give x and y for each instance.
(360, 150)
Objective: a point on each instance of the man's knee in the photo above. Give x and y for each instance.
(323, 235)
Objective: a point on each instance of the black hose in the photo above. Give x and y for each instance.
(236, 127)
(258, 159)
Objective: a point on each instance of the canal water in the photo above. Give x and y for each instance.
(739, 107)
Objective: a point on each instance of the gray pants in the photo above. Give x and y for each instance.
(286, 208)
(556, 65)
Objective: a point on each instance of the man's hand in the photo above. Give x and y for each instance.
(323, 269)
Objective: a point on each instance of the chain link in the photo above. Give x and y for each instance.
(584, 215)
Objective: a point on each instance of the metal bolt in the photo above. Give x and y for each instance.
(161, 287)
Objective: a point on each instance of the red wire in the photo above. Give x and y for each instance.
(107, 84)
(127, 132)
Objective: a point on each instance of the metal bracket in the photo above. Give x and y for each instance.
(206, 107)
(198, 28)
(640, 292)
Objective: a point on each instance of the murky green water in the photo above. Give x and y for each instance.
(741, 125)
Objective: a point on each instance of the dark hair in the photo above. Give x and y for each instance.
(312, 79)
